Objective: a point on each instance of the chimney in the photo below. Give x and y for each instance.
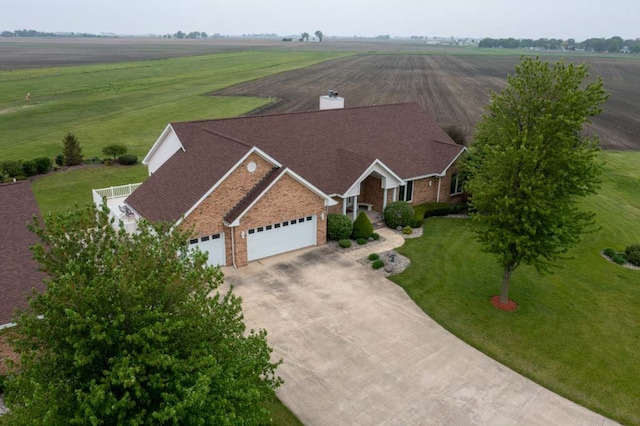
(331, 101)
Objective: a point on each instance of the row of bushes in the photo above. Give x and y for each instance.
(631, 254)
(399, 214)
(21, 169)
(346, 242)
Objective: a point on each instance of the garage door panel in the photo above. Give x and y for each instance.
(213, 245)
(277, 238)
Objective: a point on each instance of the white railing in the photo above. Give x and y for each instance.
(115, 191)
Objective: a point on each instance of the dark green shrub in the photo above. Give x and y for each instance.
(128, 159)
(610, 252)
(375, 236)
(59, 159)
(633, 254)
(399, 213)
(29, 168)
(460, 208)
(436, 209)
(43, 164)
(11, 168)
(362, 227)
(345, 243)
(619, 259)
(339, 226)
(374, 256)
(93, 160)
(361, 241)
(377, 264)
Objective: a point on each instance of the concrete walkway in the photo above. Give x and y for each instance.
(358, 351)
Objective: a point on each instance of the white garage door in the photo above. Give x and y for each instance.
(213, 245)
(281, 237)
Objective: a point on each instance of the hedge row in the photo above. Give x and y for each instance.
(21, 169)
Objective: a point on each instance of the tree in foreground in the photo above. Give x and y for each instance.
(530, 164)
(114, 150)
(132, 330)
(71, 150)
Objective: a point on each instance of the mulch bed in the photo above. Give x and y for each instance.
(510, 306)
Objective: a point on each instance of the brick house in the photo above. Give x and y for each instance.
(252, 187)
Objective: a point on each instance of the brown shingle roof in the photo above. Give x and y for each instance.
(176, 186)
(330, 149)
(20, 272)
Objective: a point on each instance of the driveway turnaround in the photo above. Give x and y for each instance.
(358, 351)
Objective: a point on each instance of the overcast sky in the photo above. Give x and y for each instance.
(579, 19)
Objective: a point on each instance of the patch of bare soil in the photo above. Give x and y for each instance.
(455, 88)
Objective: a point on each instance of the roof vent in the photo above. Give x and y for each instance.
(331, 101)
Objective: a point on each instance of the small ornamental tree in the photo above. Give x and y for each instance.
(133, 330)
(114, 150)
(362, 227)
(71, 150)
(530, 165)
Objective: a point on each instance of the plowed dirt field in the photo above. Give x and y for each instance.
(455, 88)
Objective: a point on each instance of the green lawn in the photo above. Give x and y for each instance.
(127, 103)
(62, 190)
(577, 331)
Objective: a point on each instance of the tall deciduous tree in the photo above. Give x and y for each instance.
(304, 36)
(132, 330)
(71, 150)
(319, 34)
(531, 163)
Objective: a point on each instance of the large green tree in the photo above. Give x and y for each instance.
(133, 330)
(531, 163)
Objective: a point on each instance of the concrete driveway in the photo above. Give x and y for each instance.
(358, 351)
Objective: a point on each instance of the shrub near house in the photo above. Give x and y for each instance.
(362, 227)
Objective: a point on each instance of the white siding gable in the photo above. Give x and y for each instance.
(166, 145)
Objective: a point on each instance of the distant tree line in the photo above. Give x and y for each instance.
(191, 35)
(34, 33)
(611, 45)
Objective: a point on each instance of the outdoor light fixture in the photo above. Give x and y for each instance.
(242, 235)
(321, 216)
